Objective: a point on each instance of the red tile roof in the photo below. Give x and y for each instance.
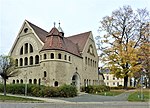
(80, 39)
(39, 31)
(54, 40)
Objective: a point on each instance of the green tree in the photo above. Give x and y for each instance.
(7, 69)
(123, 34)
(145, 52)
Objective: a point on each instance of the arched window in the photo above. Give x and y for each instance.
(31, 48)
(45, 74)
(93, 82)
(26, 48)
(16, 62)
(39, 81)
(91, 62)
(85, 60)
(88, 61)
(69, 58)
(31, 60)
(36, 59)
(21, 50)
(59, 56)
(35, 81)
(13, 81)
(65, 57)
(25, 61)
(21, 62)
(52, 55)
(89, 82)
(17, 81)
(21, 81)
(30, 81)
(85, 83)
(45, 56)
(56, 83)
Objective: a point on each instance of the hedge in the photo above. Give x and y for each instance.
(41, 91)
(121, 87)
(96, 88)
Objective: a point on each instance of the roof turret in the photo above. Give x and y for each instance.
(60, 30)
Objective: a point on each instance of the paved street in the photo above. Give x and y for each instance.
(97, 98)
(81, 101)
(76, 105)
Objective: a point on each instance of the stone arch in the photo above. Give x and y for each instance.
(37, 59)
(30, 81)
(76, 80)
(52, 56)
(56, 83)
(35, 81)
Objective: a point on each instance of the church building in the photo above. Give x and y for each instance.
(53, 59)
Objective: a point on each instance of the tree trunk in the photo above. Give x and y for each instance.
(149, 83)
(4, 87)
(126, 82)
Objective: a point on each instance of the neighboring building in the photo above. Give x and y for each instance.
(110, 79)
(49, 58)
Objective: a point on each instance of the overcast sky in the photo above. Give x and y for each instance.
(75, 16)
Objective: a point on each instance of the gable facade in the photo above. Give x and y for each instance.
(50, 58)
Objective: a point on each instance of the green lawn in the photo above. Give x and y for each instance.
(13, 98)
(136, 96)
(111, 93)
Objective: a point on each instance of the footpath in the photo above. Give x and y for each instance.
(49, 100)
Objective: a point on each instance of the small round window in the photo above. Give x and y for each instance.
(25, 30)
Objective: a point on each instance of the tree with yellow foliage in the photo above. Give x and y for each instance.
(120, 44)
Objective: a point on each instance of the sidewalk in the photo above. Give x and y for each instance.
(49, 100)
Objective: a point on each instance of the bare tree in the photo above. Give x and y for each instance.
(124, 32)
(7, 69)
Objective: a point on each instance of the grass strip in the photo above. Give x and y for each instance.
(111, 93)
(13, 98)
(138, 96)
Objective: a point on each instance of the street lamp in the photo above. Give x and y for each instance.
(26, 84)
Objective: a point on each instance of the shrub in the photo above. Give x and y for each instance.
(15, 88)
(122, 87)
(41, 91)
(97, 88)
(82, 88)
(35, 90)
(1, 88)
(51, 92)
(68, 91)
(116, 88)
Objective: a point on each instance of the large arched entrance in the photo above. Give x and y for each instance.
(76, 80)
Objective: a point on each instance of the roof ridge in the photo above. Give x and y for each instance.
(35, 26)
(79, 34)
